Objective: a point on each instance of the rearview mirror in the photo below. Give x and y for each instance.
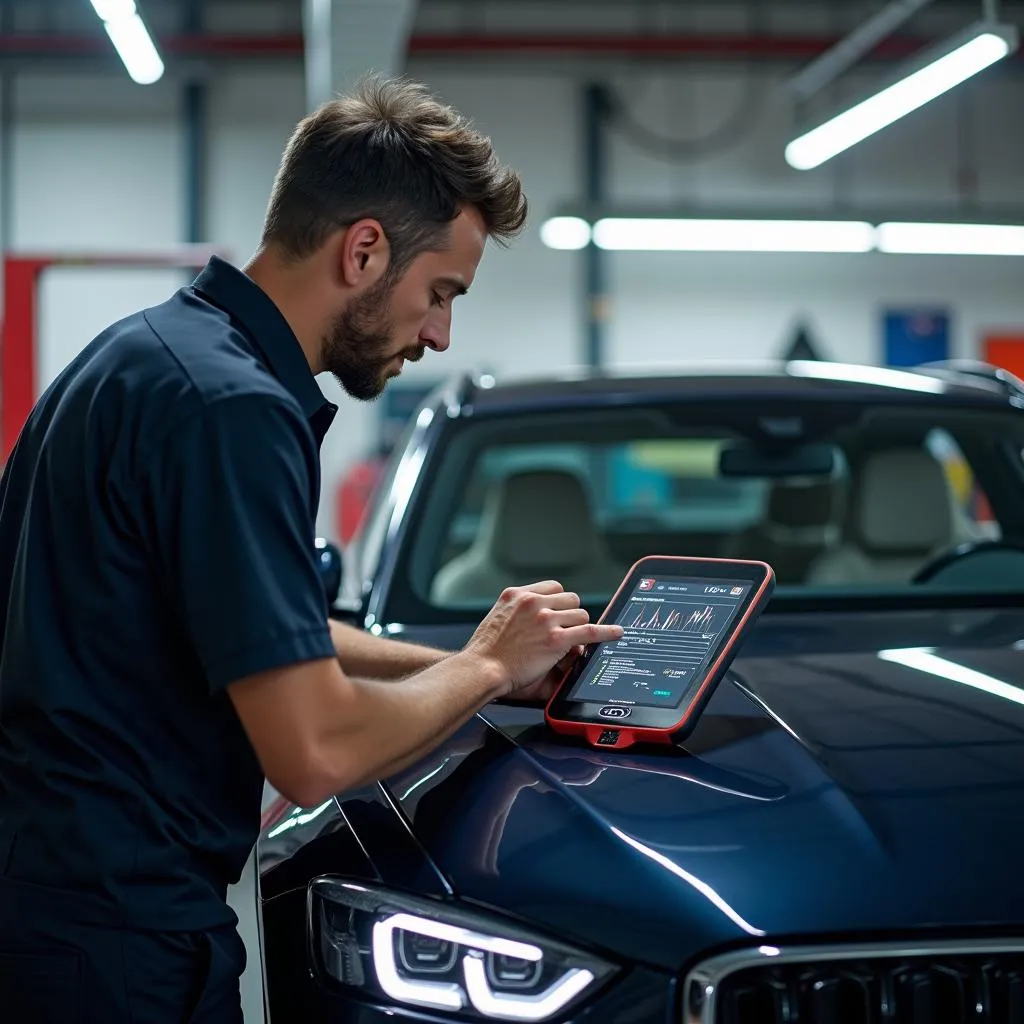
(792, 460)
(329, 562)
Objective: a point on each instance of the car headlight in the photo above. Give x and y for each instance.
(425, 953)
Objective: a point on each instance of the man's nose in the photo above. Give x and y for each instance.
(436, 333)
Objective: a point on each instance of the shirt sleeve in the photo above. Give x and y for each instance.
(232, 495)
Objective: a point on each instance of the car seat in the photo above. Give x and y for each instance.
(801, 520)
(536, 525)
(900, 517)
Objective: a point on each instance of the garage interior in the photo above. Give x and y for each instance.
(696, 195)
(619, 107)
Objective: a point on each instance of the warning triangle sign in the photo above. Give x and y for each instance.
(801, 346)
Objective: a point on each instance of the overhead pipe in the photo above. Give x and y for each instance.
(710, 46)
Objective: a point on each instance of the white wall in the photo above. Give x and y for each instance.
(99, 164)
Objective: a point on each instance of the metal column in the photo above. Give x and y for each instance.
(7, 117)
(345, 39)
(595, 109)
(194, 102)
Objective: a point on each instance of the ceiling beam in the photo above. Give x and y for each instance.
(860, 42)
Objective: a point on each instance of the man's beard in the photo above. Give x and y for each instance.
(357, 351)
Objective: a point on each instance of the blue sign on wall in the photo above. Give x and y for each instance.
(915, 336)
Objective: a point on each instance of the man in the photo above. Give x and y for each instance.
(165, 642)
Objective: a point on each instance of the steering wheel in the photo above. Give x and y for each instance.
(987, 563)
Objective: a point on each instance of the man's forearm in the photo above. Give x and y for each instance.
(375, 736)
(365, 656)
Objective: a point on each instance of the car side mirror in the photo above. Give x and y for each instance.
(329, 562)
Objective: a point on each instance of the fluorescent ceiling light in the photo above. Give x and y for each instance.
(952, 239)
(857, 374)
(654, 234)
(565, 233)
(648, 233)
(131, 40)
(957, 61)
(924, 659)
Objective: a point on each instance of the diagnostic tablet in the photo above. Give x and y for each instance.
(684, 619)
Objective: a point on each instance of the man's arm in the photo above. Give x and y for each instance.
(316, 731)
(365, 656)
(226, 500)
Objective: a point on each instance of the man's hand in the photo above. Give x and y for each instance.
(530, 630)
(542, 689)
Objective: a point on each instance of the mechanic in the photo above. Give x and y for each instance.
(166, 644)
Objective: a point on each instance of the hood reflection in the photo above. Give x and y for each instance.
(924, 659)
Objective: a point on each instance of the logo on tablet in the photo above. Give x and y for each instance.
(736, 590)
(646, 585)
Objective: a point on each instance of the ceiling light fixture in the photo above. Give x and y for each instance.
(698, 235)
(132, 41)
(924, 79)
(565, 233)
(861, 234)
(952, 239)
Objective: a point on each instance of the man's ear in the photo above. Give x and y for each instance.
(363, 254)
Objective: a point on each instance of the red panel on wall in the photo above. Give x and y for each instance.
(1006, 351)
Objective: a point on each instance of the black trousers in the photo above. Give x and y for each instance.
(55, 970)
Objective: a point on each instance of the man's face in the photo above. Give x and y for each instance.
(392, 322)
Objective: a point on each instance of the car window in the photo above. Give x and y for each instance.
(971, 503)
(579, 496)
(673, 484)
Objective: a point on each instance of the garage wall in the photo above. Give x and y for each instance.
(98, 163)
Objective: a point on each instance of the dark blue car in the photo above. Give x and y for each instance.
(840, 841)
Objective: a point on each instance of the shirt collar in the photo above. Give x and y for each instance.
(234, 291)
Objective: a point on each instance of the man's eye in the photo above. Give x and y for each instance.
(438, 299)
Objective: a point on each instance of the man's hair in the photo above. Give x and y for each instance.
(390, 152)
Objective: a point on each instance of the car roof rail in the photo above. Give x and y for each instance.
(466, 387)
(1011, 383)
(457, 391)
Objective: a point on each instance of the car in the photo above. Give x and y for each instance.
(839, 841)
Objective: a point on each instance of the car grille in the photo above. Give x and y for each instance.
(874, 987)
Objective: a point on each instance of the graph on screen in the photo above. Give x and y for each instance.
(673, 638)
(680, 617)
(667, 642)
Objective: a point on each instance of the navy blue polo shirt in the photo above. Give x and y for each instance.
(157, 523)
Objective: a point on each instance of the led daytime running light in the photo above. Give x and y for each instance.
(498, 1004)
(449, 996)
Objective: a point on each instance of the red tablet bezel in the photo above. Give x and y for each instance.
(627, 736)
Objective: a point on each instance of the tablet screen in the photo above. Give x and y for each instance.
(672, 629)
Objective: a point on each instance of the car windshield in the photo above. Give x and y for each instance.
(837, 497)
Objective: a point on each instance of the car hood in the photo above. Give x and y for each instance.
(833, 786)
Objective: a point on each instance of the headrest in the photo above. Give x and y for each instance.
(800, 504)
(902, 502)
(539, 519)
